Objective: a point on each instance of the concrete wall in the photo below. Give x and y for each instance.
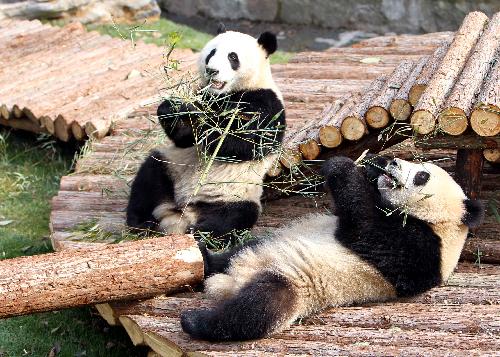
(410, 16)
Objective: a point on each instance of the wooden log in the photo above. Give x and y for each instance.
(401, 107)
(469, 170)
(62, 129)
(424, 40)
(459, 104)
(290, 157)
(485, 119)
(23, 124)
(78, 131)
(427, 72)
(353, 125)
(119, 271)
(479, 250)
(423, 119)
(378, 115)
(98, 129)
(466, 141)
(310, 149)
(4, 112)
(492, 155)
(45, 122)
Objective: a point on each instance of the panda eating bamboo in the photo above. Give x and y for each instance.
(398, 230)
(210, 179)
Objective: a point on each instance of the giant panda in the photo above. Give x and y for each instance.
(173, 192)
(361, 254)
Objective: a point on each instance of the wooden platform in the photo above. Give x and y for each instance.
(461, 318)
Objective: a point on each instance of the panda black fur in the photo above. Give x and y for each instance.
(360, 254)
(235, 73)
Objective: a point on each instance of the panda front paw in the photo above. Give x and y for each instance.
(336, 166)
(375, 166)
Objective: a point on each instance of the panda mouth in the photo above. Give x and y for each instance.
(217, 84)
(391, 181)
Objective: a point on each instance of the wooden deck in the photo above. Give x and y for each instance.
(461, 318)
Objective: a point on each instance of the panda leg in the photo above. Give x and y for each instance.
(265, 305)
(151, 187)
(221, 219)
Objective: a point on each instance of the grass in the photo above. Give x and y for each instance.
(159, 33)
(30, 170)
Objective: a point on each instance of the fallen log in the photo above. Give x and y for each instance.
(423, 119)
(485, 119)
(458, 106)
(401, 107)
(130, 270)
(377, 115)
(428, 71)
(353, 125)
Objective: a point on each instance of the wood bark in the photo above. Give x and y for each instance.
(423, 119)
(119, 271)
(459, 104)
(98, 129)
(310, 149)
(377, 115)
(78, 131)
(466, 141)
(428, 71)
(485, 119)
(401, 107)
(469, 171)
(353, 125)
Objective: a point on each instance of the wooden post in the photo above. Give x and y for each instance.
(469, 169)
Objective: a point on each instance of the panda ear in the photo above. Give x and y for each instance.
(221, 28)
(269, 42)
(474, 213)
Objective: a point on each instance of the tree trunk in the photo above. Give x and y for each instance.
(428, 71)
(129, 270)
(458, 105)
(377, 115)
(485, 119)
(423, 119)
(353, 125)
(401, 108)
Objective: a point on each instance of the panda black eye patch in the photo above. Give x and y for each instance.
(234, 60)
(421, 178)
(210, 55)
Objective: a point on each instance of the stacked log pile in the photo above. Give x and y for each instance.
(455, 84)
(72, 83)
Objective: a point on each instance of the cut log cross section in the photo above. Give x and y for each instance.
(459, 104)
(377, 115)
(423, 119)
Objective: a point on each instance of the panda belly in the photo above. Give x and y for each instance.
(223, 183)
(320, 270)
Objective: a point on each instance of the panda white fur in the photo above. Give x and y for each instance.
(360, 254)
(234, 73)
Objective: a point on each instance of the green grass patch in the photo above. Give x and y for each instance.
(160, 32)
(30, 171)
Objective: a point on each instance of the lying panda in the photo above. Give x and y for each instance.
(361, 254)
(172, 192)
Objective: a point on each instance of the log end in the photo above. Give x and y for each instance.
(47, 123)
(62, 129)
(330, 136)
(4, 112)
(400, 109)
(377, 117)
(353, 128)
(453, 121)
(310, 149)
(18, 113)
(290, 158)
(106, 312)
(422, 122)
(133, 330)
(485, 121)
(78, 132)
(415, 93)
(492, 155)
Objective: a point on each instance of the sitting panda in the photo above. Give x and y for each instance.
(361, 254)
(172, 191)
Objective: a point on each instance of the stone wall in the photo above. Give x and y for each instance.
(410, 16)
(85, 11)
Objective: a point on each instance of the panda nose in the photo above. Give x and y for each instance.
(393, 163)
(211, 72)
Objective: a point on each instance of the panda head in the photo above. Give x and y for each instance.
(233, 61)
(427, 192)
